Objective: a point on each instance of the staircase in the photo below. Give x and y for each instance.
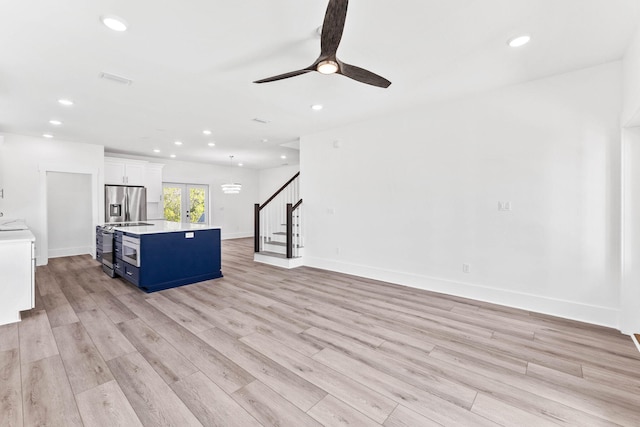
(278, 227)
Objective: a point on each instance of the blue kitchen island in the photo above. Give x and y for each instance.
(166, 254)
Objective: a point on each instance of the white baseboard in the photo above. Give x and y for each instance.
(598, 315)
(81, 250)
(287, 263)
(239, 235)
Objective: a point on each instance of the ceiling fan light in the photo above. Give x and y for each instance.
(327, 67)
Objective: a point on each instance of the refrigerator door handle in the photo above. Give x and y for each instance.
(127, 213)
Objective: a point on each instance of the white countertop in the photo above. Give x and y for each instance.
(162, 226)
(16, 236)
(10, 224)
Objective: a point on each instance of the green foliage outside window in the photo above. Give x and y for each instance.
(173, 204)
(196, 199)
(172, 201)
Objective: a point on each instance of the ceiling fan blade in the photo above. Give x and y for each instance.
(284, 76)
(362, 75)
(332, 27)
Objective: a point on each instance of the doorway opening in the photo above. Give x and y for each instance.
(69, 214)
(186, 203)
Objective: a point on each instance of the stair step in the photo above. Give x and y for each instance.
(275, 254)
(278, 260)
(272, 242)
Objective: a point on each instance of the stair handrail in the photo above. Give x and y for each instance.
(258, 208)
(279, 191)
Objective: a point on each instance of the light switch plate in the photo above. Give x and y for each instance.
(189, 235)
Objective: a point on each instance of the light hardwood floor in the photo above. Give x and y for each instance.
(304, 347)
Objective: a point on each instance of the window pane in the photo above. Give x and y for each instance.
(172, 203)
(197, 202)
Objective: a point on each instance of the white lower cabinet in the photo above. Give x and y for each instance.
(17, 274)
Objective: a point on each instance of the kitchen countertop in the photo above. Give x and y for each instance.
(161, 226)
(16, 236)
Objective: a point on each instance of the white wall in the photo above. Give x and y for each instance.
(411, 197)
(69, 215)
(630, 285)
(273, 178)
(631, 81)
(233, 213)
(25, 161)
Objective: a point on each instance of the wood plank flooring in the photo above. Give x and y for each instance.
(270, 347)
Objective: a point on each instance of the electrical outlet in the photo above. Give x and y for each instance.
(466, 268)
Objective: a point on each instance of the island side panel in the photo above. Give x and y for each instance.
(172, 259)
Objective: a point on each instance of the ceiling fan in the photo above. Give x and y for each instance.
(327, 62)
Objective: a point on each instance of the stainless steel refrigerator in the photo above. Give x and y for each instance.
(125, 203)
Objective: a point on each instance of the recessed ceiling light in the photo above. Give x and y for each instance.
(211, 144)
(240, 164)
(114, 23)
(47, 135)
(206, 132)
(283, 157)
(519, 41)
(316, 107)
(66, 102)
(156, 151)
(55, 122)
(178, 142)
(173, 156)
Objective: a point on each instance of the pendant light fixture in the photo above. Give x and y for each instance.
(232, 187)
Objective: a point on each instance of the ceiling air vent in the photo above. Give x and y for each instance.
(114, 78)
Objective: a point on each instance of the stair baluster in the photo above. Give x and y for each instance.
(282, 209)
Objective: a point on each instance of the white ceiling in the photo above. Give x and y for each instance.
(193, 62)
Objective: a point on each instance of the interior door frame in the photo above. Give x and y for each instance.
(42, 255)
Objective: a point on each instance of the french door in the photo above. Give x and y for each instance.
(186, 203)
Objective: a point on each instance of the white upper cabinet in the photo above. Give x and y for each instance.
(124, 171)
(153, 182)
